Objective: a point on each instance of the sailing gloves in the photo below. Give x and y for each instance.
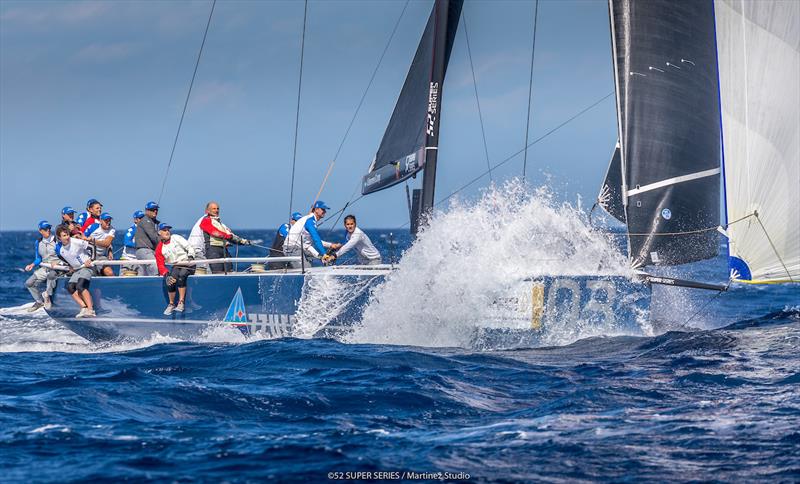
(240, 241)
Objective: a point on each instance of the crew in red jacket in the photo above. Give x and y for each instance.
(217, 237)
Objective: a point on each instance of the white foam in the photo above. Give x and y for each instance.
(325, 297)
(448, 279)
(54, 427)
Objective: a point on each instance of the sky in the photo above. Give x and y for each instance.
(91, 94)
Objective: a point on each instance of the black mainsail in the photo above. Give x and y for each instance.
(411, 140)
(667, 88)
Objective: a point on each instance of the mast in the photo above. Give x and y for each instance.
(442, 46)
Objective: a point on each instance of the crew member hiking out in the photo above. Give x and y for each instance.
(146, 239)
(44, 250)
(217, 236)
(174, 249)
(280, 236)
(74, 252)
(303, 238)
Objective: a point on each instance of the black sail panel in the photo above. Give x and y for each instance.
(610, 198)
(414, 125)
(668, 101)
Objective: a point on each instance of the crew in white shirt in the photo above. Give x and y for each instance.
(358, 242)
(74, 252)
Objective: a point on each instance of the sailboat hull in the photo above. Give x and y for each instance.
(133, 307)
(280, 304)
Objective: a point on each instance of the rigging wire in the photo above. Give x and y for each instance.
(371, 79)
(509, 158)
(297, 113)
(527, 145)
(186, 102)
(477, 101)
(777, 254)
(530, 92)
(708, 303)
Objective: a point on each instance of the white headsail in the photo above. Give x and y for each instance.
(758, 44)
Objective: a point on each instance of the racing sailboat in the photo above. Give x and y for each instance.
(663, 182)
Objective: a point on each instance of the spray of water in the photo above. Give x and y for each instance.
(324, 298)
(449, 280)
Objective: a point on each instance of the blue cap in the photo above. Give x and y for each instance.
(138, 214)
(44, 224)
(106, 216)
(297, 216)
(151, 206)
(91, 202)
(321, 204)
(164, 226)
(67, 210)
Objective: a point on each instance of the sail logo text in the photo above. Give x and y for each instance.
(433, 104)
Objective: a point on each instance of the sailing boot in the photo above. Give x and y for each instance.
(36, 306)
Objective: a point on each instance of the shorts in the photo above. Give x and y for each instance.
(82, 273)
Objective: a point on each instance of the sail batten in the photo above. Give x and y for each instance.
(759, 66)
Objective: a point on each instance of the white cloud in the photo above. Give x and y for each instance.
(46, 14)
(104, 52)
(212, 92)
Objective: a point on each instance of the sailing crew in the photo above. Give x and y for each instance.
(68, 220)
(217, 236)
(197, 240)
(44, 250)
(129, 245)
(92, 214)
(303, 237)
(357, 241)
(280, 236)
(101, 235)
(146, 239)
(174, 249)
(73, 251)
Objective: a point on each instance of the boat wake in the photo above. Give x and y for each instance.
(24, 331)
(449, 282)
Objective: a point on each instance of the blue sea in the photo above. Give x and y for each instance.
(712, 394)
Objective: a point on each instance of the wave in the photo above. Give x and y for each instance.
(446, 281)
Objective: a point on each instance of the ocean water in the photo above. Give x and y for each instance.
(708, 390)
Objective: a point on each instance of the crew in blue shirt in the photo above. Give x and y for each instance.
(129, 245)
(44, 250)
(277, 244)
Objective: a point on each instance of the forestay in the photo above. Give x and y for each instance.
(759, 70)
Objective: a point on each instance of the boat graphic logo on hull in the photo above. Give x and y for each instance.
(237, 313)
